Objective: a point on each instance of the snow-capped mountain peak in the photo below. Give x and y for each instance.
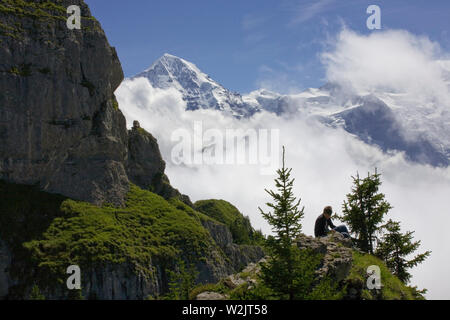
(197, 88)
(169, 68)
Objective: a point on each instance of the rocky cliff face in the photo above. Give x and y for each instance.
(238, 255)
(60, 126)
(126, 282)
(5, 263)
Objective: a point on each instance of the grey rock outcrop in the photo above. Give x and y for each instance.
(210, 295)
(60, 123)
(121, 282)
(336, 263)
(337, 251)
(246, 277)
(239, 256)
(145, 166)
(110, 282)
(126, 281)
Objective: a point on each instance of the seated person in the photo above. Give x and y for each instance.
(323, 223)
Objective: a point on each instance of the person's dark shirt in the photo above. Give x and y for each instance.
(322, 225)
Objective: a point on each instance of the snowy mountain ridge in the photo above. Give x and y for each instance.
(391, 120)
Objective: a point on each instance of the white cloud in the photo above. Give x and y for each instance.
(410, 73)
(393, 60)
(323, 159)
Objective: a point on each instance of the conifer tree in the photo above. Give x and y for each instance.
(281, 272)
(36, 294)
(181, 280)
(364, 210)
(395, 246)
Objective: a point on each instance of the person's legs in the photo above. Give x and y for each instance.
(342, 229)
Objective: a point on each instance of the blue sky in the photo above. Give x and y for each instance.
(252, 43)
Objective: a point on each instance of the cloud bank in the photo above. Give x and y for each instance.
(323, 159)
(393, 61)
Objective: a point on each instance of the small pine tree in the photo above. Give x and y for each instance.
(258, 238)
(364, 210)
(36, 294)
(395, 246)
(417, 293)
(280, 272)
(241, 230)
(181, 281)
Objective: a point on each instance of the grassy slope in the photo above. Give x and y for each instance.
(229, 215)
(44, 12)
(220, 210)
(392, 287)
(50, 232)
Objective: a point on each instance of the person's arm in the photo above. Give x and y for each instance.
(330, 223)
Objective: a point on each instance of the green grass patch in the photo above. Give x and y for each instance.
(226, 213)
(219, 287)
(44, 15)
(392, 287)
(37, 10)
(49, 232)
(115, 104)
(220, 210)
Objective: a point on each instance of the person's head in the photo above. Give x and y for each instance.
(327, 211)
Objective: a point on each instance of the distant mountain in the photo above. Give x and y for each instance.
(267, 100)
(375, 122)
(197, 88)
(389, 120)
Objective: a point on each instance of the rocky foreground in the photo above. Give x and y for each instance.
(341, 263)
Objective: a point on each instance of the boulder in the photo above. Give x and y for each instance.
(209, 295)
(337, 254)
